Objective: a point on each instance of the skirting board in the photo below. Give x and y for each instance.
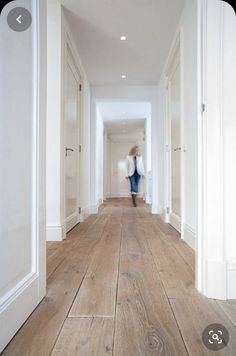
(216, 277)
(85, 212)
(189, 236)
(157, 209)
(94, 209)
(55, 233)
(71, 221)
(231, 280)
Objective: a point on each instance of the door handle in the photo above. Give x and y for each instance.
(177, 149)
(69, 149)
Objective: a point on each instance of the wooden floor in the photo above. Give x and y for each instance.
(122, 284)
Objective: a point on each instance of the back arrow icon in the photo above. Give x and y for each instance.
(18, 19)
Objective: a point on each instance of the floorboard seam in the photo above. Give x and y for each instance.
(117, 286)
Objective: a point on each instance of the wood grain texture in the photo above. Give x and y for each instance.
(132, 267)
(85, 337)
(145, 325)
(97, 295)
(193, 315)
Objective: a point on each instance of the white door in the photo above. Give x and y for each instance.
(71, 143)
(22, 162)
(120, 186)
(175, 140)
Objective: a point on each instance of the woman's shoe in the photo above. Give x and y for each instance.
(133, 199)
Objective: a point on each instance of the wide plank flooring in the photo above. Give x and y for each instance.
(122, 284)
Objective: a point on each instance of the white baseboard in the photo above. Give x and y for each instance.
(216, 279)
(189, 236)
(85, 212)
(148, 200)
(55, 233)
(71, 221)
(231, 280)
(156, 209)
(175, 221)
(94, 209)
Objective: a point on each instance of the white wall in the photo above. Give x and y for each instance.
(128, 93)
(187, 29)
(58, 33)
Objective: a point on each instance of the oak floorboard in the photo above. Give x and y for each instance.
(229, 307)
(39, 333)
(145, 324)
(155, 310)
(97, 294)
(85, 337)
(193, 315)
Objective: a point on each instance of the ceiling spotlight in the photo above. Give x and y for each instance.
(123, 76)
(123, 38)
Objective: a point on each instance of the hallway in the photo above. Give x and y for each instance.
(122, 283)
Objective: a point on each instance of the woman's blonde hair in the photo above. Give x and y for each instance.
(135, 150)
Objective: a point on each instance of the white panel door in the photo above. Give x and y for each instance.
(175, 139)
(22, 162)
(71, 144)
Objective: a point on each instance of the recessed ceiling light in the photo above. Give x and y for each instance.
(123, 38)
(123, 76)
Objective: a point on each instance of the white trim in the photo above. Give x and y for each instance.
(231, 278)
(85, 213)
(211, 272)
(216, 277)
(156, 209)
(72, 220)
(56, 233)
(189, 236)
(94, 209)
(175, 58)
(175, 221)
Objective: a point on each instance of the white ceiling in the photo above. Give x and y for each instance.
(124, 110)
(122, 117)
(148, 24)
(130, 127)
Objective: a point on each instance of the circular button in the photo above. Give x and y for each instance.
(215, 337)
(19, 19)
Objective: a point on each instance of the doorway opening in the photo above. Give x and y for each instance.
(121, 125)
(174, 146)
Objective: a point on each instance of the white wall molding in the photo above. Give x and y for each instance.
(189, 236)
(56, 233)
(72, 220)
(231, 278)
(216, 274)
(216, 279)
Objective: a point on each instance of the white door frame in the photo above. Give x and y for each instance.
(212, 267)
(69, 57)
(174, 59)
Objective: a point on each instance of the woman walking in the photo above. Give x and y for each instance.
(135, 170)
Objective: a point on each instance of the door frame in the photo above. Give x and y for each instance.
(175, 58)
(69, 59)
